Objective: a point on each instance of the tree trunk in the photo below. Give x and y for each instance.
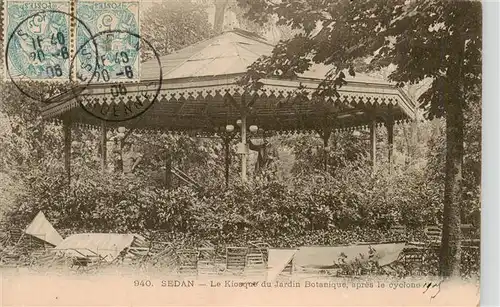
(450, 255)
(220, 10)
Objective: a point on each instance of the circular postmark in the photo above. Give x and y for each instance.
(115, 94)
(38, 49)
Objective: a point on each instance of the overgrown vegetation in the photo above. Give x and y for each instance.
(306, 206)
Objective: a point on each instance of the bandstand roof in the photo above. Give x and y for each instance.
(198, 80)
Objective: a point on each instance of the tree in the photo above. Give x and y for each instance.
(436, 39)
(172, 25)
(271, 31)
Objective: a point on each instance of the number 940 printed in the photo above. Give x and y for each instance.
(143, 283)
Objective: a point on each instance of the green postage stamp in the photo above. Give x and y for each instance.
(115, 31)
(37, 40)
(102, 44)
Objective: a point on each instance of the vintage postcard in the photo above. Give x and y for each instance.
(288, 153)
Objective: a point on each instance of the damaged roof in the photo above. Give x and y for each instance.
(42, 229)
(107, 245)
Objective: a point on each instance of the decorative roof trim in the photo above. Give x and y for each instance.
(353, 92)
(197, 132)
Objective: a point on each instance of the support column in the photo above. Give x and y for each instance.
(326, 138)
(244, 146)
(227, 159)
(104, 147)
(373, 143)
(390, 140)
(67, 148)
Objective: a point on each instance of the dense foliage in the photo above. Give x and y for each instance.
(352, 205)
(337, 210)
(304, 205)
